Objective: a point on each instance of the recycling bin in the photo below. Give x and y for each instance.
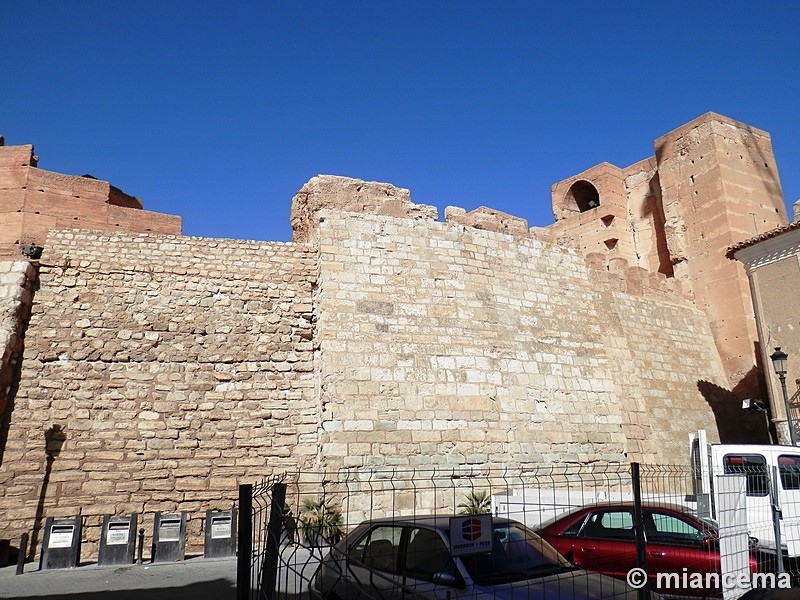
(220, 534)
(118, 540)
(169, 537)
(61, 545)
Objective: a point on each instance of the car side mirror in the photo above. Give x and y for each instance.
(443, 578)
(709, 543)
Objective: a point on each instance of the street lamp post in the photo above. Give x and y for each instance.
(779, 363)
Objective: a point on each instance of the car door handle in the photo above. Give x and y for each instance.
(588, 548)
(657, 554)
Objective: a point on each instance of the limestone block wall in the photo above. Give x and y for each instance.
(164, 371)
(467, 346)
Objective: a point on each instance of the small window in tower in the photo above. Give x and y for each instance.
(584, 196)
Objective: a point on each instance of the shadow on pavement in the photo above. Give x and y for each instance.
(217, 589)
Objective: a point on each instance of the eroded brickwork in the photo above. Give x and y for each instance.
(16, 292)
(345, 193)
(173, 367)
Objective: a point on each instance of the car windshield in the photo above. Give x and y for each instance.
(517, 554)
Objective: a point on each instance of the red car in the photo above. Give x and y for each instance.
(601, 538)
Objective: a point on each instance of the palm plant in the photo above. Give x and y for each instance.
(476, 503)
(321, 521)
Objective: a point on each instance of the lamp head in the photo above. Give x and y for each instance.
(779, 361)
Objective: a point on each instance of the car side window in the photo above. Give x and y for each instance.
(662, 528)
(427, 554)
(379, 548)
(611, 524)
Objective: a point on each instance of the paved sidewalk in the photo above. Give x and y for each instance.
(193, 579)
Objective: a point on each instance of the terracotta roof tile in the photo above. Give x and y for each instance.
(760, 238)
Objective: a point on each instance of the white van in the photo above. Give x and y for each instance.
(772, 491)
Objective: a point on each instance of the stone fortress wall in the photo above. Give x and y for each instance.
(423, 336)
(172, 369)
(169, 369)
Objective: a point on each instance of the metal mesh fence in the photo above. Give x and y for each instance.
(388, 533)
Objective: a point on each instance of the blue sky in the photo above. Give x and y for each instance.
(219, 112)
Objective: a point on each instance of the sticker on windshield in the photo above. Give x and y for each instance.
(470, 534)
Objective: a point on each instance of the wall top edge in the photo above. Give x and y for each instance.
(708, 118)
(101, 235)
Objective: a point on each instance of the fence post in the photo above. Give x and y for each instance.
(269, 573)
(244, 542)
(638, 528)
(777, 515)
(23, 552)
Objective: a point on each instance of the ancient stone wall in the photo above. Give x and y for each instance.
(424, 336)
(160, 371)
(166, 370)
(712, 182)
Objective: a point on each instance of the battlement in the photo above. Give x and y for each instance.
(488, 219)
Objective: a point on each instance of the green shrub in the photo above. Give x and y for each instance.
(321, 521)
(476, 503)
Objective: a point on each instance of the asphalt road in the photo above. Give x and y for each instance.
(193, 579)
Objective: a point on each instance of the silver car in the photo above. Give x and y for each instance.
(405, 558)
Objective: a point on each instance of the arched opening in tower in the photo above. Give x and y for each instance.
(583, 195)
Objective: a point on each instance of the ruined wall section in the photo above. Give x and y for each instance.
(646, 218)
(354, 195)
(16, 293)
(175, 368)
(488, 219)
(465, 346)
